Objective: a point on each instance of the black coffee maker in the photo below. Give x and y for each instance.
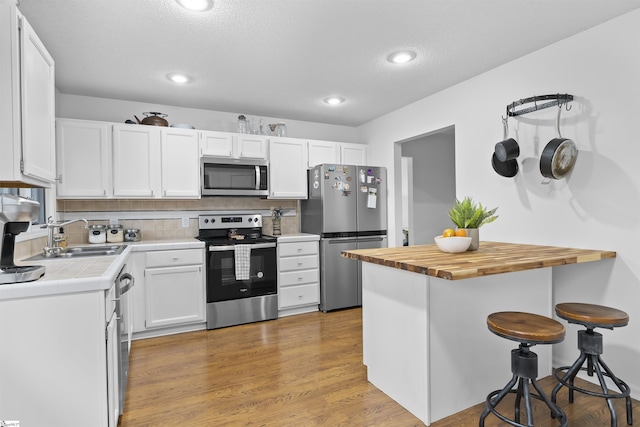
(16, 213)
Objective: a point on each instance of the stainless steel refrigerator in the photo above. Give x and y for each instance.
(347, 207)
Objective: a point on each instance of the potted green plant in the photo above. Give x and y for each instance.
(469, 215)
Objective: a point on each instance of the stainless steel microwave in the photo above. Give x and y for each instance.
(234, 177)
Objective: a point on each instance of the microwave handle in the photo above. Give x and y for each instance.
(257, 177)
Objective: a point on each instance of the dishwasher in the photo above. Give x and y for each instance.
(118, 336)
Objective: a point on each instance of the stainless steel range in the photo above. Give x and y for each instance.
(241, 270)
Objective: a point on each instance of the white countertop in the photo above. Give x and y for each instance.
(84, 274)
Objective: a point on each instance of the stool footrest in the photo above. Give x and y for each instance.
(597, 365)
(522, 391)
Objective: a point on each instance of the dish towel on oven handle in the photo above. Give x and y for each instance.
(243, 262)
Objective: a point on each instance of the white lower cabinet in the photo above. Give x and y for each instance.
(58, 360)
(170, 297)
(298, 274)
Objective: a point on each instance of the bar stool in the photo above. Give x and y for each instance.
(590, 345)
(527, 329)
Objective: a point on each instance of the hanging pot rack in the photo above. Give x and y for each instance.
(557, 99)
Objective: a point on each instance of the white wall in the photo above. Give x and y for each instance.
(595, 207)
(114, 110)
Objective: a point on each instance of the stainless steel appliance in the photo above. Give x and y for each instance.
(347, 206)
(234, 177)
(241, 269)
(124, 310)
(16, 213)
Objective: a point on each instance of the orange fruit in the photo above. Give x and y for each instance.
(448, 233)
(461, 232)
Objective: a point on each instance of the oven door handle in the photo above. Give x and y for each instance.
(232, 247)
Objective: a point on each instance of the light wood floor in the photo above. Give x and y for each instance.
(303, 370)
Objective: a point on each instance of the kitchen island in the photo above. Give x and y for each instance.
(425, 339)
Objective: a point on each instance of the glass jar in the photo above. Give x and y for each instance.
(281, 129)
(97, 233)
(242, 124)
(114, 233)
(132, 235)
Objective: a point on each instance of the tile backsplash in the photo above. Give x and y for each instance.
(143, 215)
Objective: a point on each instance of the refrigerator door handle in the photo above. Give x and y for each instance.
(371, 239)
(341, 240)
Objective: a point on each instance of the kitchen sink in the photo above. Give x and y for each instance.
(83, 251)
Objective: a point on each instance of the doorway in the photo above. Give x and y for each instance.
(428, 185)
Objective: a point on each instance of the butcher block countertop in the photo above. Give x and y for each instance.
(490, 258)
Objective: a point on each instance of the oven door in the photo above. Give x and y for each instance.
(221, 275)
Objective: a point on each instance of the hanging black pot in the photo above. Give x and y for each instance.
(559, 155)
(508, 169)
(505, 154)
(558, 158)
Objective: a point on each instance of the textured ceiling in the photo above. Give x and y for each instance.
(281, 58)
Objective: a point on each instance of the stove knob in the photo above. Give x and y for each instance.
(250, 219)
(206, 220)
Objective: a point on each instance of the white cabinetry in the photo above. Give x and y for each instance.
(287, 168)
(106, 160)
(83, 151)
(323, 152)
(171, 296)
(230, 145)
(54, 363)
(298, 274)
(27, 103)
(136, 156)
(180, 175)
(344, 153)
(353, 154)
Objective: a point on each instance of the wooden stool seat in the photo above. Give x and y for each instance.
(526, 327)
(591, 347)
(592, 315)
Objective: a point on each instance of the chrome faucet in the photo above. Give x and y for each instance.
(51, 250)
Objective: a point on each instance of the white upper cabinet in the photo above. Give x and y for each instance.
(331, 152)
(353, 154)
(219, 144)
(251, 146)
(83, 153)
(323, 152)
(136, 156)
(287, 168)
(180, 163)
(232, 145)
(27, 103)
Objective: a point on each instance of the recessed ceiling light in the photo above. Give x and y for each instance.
(334, 100)
(402, 57)
(196, 5)
(179, 78)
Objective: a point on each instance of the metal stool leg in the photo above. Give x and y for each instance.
(524, 365)
(590, 346)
